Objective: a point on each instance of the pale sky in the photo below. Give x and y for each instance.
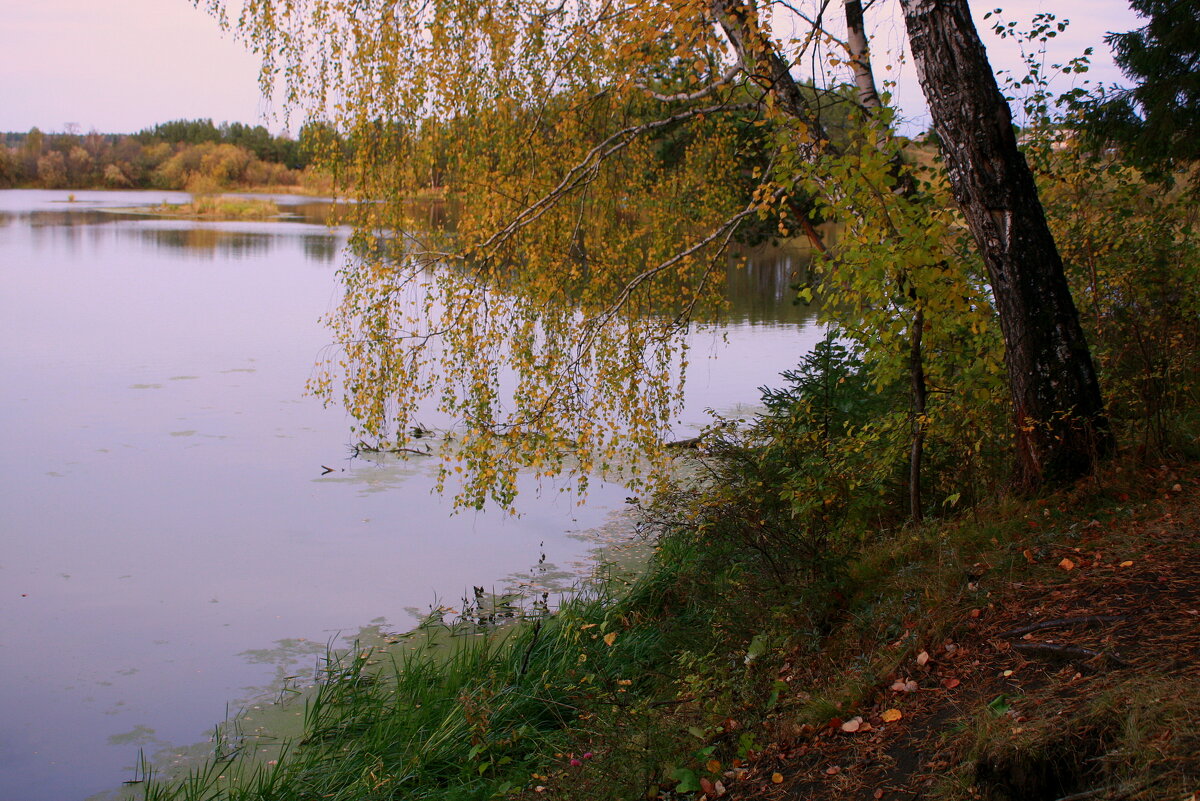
(122, 65)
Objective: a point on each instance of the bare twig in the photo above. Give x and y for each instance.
(1066, 652)
(1062, 623)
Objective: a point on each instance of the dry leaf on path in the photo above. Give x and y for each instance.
(892, 715)
(1066, 564)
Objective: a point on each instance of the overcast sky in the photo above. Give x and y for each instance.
(124, 65)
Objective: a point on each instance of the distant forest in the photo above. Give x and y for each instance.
(192, 155)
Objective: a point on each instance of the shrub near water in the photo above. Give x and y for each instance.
(795, 490)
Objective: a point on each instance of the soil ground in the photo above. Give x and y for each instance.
(1070, 673)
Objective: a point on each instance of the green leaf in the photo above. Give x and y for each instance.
(688, 781)
(758, 647)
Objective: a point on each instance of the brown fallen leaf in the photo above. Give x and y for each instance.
(777, 778)
(852, 725)
(922, 657)
(1066, 564)
(833, 770)
(1127, 563)
(950, 684)
(610, 638)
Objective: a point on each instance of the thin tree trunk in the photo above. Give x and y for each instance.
(864, 78)
(762, 62)
(1060, 422)
(860, 59)
(916, 372)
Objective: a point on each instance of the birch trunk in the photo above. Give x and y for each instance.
(1060, 424)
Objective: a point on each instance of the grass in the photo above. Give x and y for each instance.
(219, 207)
(451, 717)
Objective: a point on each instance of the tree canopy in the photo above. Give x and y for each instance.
(596, 160)
(1158, 118)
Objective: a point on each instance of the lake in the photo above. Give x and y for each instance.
(172, 540)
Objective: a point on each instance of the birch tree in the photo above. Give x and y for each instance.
(598, 158)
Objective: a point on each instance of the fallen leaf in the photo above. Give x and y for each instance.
(922, 657)
(852, 725)
(1066, 564)
(719, 788)
(1006, 673)
(833, 770)
(610, 638)
(910, 686)
(1029, 556)
(892, 715)
(879, 793)
(777, 778)
(975, 613)
(950, 684)
(1127, 563)
(899, 686)
(713, 766)
(707, 787)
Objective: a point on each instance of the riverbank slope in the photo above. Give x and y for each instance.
(1030, 648)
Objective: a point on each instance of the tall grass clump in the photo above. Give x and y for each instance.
(458, 717)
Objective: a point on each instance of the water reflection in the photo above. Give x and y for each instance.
(207, 242)
(321, 248)
(163, 514)
(761, 286)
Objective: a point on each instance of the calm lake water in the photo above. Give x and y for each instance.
(169, 545)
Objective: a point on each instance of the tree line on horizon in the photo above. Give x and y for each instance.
(193, 155)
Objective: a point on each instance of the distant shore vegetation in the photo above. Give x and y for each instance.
(178, 155)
